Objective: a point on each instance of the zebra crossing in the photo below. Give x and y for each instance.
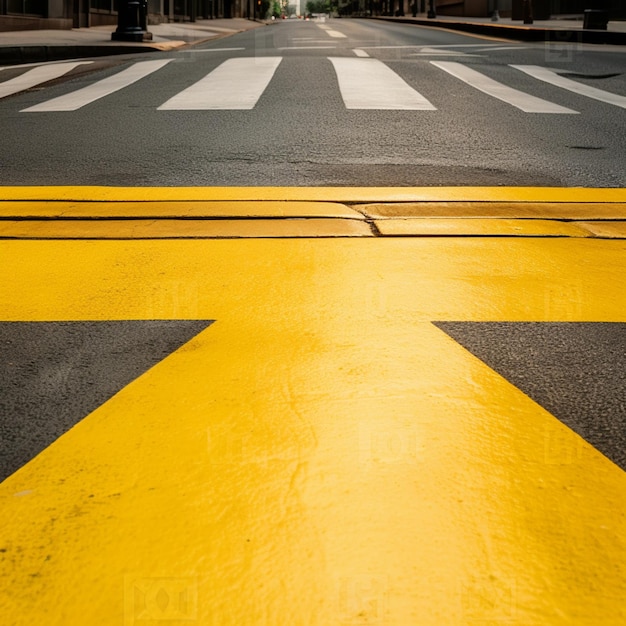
(364, 83)
(81, 97)
(235, 84)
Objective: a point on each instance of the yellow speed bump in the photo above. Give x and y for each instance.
(610, 229)
(219, 209)
(479, 227)
(170, 228)
(317, 194)
(497, 209)
(118, 213)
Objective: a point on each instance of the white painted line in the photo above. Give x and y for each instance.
(309, 47)
(514, 97)
(81, 97)
(497, 48)
(336, 34)
(194, 51)
(235, 84)
(370, 84)
(36, 76)
(360, 53)
(550, 76)
(441, 52)
(331, 32)
(456, 45)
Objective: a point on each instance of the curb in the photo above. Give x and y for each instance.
(15, 55)
(97, 213)
(519, 33)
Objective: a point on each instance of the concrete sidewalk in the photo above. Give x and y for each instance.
(557, 30)
(33, 46)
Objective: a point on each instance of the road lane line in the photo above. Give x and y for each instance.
(336, 34)
(360, 53)
(444, 52)
(77, 99)
(213, 50)
(370, 84)
(331, 32)
(514, 97)
(36, 76)
(551, 77)
(308, 48)
(235, 84)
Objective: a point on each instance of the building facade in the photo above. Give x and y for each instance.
(542, 9)
(66, 14)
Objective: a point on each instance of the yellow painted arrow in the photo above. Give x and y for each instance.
(322, 454)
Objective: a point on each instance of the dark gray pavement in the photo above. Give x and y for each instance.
(53, 45)
(55, 373)
(575, 370)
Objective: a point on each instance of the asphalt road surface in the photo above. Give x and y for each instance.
(341, 102)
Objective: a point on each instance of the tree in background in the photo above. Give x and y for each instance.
(318, 6)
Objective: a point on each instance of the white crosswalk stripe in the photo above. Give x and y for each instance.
(364, 83)
(235, 84)
(81, 97)
(370, 84)
(514, 97)
(36, 76)
(552, 77)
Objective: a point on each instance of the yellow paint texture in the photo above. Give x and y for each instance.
(479, 227)
(612, 230)
(500, 209)
(319, 194)
(189, 209)
(170, 228)
(322, 454)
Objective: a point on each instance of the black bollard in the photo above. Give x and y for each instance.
(132, 21)
(527, 11)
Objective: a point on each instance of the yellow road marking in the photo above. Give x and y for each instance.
(479, 227)
(91, 212)
(323, 194)
(615, 229)
(322, 451)
(168, 228)
(504, 209)
(157, 209)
